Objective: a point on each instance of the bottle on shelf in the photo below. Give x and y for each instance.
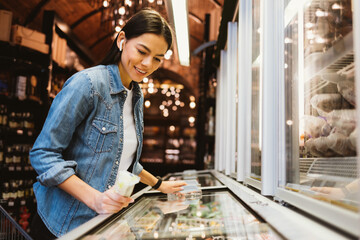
(211, 87)
(32, 91)
(21, 87)
(5, 193)
(13, 120)
(9, 164)
(17, 158)
(2, 157)
(3, 115)
(211, 122)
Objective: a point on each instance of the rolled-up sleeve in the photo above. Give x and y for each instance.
(137, 168)
(69, 108)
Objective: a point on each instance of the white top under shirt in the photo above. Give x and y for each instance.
(130, 140)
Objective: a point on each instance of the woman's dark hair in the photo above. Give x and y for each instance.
(144, 21)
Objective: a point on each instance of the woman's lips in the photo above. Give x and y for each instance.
(140, 71)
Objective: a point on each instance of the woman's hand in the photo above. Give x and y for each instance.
(171, 186)
(331, 192)
(110, 202)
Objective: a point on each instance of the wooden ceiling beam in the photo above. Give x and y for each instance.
(35, 12)
(195, 38)
(86, 16)
(100, 40)
(216, 2)
(195, 18)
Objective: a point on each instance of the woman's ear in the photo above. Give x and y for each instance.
(121, 40)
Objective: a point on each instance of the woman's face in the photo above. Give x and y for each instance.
(141, 55)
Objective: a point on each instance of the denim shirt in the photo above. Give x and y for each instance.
(82, 135)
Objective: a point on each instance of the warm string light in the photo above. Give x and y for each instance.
(118, 11)
(171, 94)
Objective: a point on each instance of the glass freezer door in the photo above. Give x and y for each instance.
(255, 169)
(217, 215)
(205, 179)
(320, 110)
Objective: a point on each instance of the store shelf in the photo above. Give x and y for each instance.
(19, 56)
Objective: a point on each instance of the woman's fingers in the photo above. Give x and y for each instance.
(111, 202)
(117, 197)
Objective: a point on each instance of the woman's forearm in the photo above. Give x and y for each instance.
(80, 190)
(147, 178)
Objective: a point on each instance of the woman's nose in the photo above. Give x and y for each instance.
(146, 61)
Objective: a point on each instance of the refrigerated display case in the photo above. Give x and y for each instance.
(230, 212)
(217, 214)
(320, 172)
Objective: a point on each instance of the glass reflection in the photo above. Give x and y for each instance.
(256, 94)
(321, 103)
(214, 216)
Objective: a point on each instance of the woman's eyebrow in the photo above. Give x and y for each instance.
(147, 49)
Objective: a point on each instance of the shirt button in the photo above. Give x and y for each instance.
(117, 162)
(120, 139)
(103, 128)
(120, 117)
(109, 186)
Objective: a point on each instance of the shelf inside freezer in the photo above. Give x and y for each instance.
(216, 215)
(334, 59)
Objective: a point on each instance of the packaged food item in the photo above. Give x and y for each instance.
(191, 191)
(342, 121)
(340, 144)
(314, 126)
(310, 147)
(352, 139)
(325, 103)
(125, 182)
(347, 90)
(322, 147)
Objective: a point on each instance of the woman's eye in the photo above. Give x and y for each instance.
(158, 59)
(141, 52)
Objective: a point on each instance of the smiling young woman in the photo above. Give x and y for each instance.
(140, 56)
(94, 129)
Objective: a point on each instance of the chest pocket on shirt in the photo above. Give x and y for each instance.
(102, 135)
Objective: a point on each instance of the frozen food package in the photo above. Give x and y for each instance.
(322, 147)
(193, 182)
(342, 121)
(189, 192)
(352, 139)
(347, 90)
(325, 103)
(310, 148)
(340, 144)
(326, 129)
(318, 147)
(125, 182)
(313, 126)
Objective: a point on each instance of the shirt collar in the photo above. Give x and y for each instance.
(116, 85)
